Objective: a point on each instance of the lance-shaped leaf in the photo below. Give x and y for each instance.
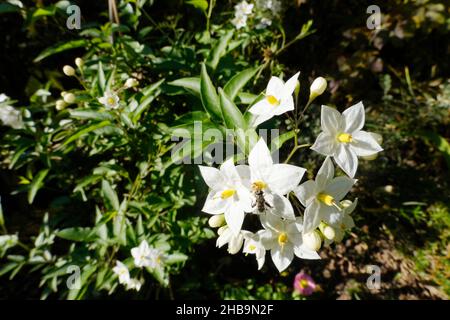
(209, 97)
(36, 184)
(219, 50)
(191, 85)
(236, 83)
(231, 114)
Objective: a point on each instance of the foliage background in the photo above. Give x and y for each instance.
(401, 72)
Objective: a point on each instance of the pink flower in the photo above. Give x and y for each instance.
(304, 284)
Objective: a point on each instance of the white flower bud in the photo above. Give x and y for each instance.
(317, 88)
(312, 240)
(329, 233)
(60, 104)
(63, 93)
(389, 188)
(345, 203)
(221, 230)
(131, 82)
(69, 71)
(216, 221)
(79, 62)
(69, 98)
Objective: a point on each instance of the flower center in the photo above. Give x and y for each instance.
(345, 138)
(282, 239)
(258, 185)
(325, 198)
(110, 100)
(227, 193)
(303, 283)
(252, 247)
(273, 101)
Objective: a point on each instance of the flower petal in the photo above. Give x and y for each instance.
(275, 87)
(214, 203)
(290, 85)
(234, 216)
(282, 207)
(287, 104)
(354, 118)
(331, 121)
(325, 174)
(306, 191)
(312, 217)
(284, 178)
(282, 258)
(364, 144)
(304, 253)
(339, 187)
(260, 157)
(261, 107)
(212, 176)
(347, 160)
(325, 144)
(261, 118)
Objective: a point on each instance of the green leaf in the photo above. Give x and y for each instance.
(76, 234)
(209, 97)
(438, 142)
(278, 142)
(101, 81)
(246, 97)
(149, 94)
(191, 85)
(36, 184)
(219, 50)
(199, 4)
(231, 114)
(175, 258)
(8, 7)
(60, 47)
(236, 83)
(110, 195)
(86, 130)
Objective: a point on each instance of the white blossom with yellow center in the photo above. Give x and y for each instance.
(321, 196)
(122, 272)
(146, 256)
(284, 240)
(275, 180)
(110, 100)
(227, 194)
(253, 245)
(277, 100)
(343, 139)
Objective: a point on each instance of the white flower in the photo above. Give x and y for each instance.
(343, 221)
(243, 8)
(343, 139)
(274, 180)
(284, 239)
(145, 256)
(264, 23)
(109, 100)
(278, 99)
(3, 97)
(239, 21)
(131, 82)
(226, 235)
(253, 245)
(227, 194)
(11, 117)
(321, 196)
(122, 272)
(134, 284)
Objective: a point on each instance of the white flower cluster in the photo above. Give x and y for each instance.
(10, 116)
(144, 257)
(241, 12)
(265, 189)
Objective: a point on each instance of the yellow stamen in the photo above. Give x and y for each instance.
(325, 198)
(345, 138)
(252, 247)
(227, 193)
(258, 185)
(282, 239)
(303, 283)
(273, 101)
(111, 100)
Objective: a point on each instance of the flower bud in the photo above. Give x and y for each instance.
(389, 188)
(60, 104)
(69, 71)
(297, 89)
(345, 203)
(329, 233)
(221, 230)
(317, 88)
(63, 93)
(216, 221)
(79, 62)
(312, 240)
(69, 98)
(131, 82)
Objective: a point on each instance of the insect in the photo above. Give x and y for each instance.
(260, 203)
